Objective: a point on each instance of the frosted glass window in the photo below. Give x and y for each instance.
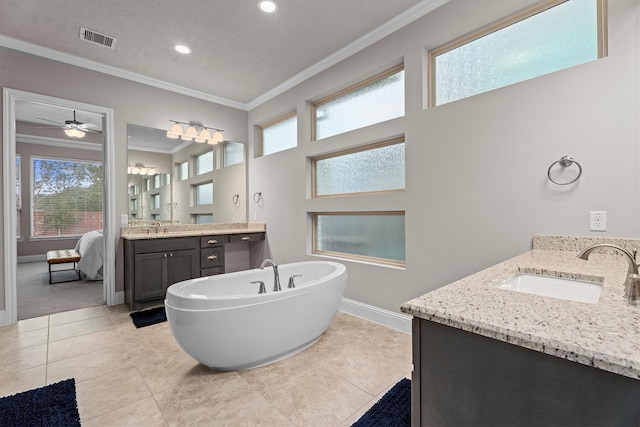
(233, 153)
(204, 163)
(560, 37)
(279, 135)
(156, 181)
(203, 194)
(202, 218)
(183, 171)
(377, 237)
(155, 201)
(375, 169)
(367, 104)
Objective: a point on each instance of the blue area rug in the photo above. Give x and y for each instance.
(52, 405)
(149, 317)
(393, 410)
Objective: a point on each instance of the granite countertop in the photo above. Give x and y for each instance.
(174, 230)
(605, 335)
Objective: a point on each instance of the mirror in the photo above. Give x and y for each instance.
(184, 182)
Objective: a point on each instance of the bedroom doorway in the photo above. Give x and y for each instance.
(20, 129)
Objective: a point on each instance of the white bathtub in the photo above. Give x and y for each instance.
(224, 323)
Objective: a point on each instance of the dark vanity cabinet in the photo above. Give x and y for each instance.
(152, 265)
(212, 254)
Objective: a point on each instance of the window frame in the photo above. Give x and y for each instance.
(385, 143)
(380, 76)
(262, 127)
(354, 257)
(522, 15)
(194, 189)
(32, 196)
(196, 162)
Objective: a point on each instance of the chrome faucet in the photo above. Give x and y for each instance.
(632, 283)
(276, 276)
(156, 226)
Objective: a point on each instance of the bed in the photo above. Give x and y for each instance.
(91, 249)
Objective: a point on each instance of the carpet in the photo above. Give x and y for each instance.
(36, 297)
(393, 410)
(148, 317)
(52, 405)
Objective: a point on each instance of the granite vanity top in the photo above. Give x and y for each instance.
(174, 230)
(605, 335)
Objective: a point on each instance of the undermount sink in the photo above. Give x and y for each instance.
(554, 287)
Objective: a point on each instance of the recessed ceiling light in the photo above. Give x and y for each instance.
(182, 48)
(268, 6)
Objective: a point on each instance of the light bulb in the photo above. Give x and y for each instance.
(175, 132)
(204, 136)
(189, 134)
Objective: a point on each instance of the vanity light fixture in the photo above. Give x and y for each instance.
(196, 132)
(140, 169)
(268, 6)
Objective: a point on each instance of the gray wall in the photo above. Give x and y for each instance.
(132, 103)
(476, 186)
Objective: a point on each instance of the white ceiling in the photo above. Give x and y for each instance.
(240, 56)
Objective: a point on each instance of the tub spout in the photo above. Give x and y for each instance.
(276, 276)
(632, 284)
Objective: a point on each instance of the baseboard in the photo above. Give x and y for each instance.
(31, 258)
(397, 321)
(119, 298)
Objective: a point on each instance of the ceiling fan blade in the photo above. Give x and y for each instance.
(52, 121)
(87, 125)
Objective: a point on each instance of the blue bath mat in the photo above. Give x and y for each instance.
(149, 317)
(393, 410)
(52, 405)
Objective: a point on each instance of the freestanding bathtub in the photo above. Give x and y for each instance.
(224, 323)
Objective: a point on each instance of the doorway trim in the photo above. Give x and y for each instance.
(10, 96)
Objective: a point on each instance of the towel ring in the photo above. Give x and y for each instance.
(257, 197)
(565, 162)
(236, 199)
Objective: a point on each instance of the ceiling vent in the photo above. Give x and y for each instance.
(97, 38)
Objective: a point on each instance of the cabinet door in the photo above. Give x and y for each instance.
(182, 265)
(150, 276)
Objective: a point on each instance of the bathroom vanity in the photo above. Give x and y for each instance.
(154, 259)
(484, 355)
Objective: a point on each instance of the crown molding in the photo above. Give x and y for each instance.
(405, 18)
(88, 64)
(57, 142)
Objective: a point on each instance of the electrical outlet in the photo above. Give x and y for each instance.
(598, 221)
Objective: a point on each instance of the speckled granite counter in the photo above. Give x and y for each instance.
(605, 335)
(175, 230)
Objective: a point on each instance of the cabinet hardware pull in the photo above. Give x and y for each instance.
(212, 257)
(170, 254)
(212, 242)
(245, 238)
(164, 255)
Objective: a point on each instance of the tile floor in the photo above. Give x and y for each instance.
(129, 376)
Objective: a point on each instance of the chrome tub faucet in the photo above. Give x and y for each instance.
(632, 283)
(276, 276)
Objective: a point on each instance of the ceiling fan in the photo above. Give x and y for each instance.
(74, 128)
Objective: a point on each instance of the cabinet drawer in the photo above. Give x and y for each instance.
(247, 237)
(211, 271)
(212, 241)
(212, 257)
(165, 244)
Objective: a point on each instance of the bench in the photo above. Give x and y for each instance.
(63, 256)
